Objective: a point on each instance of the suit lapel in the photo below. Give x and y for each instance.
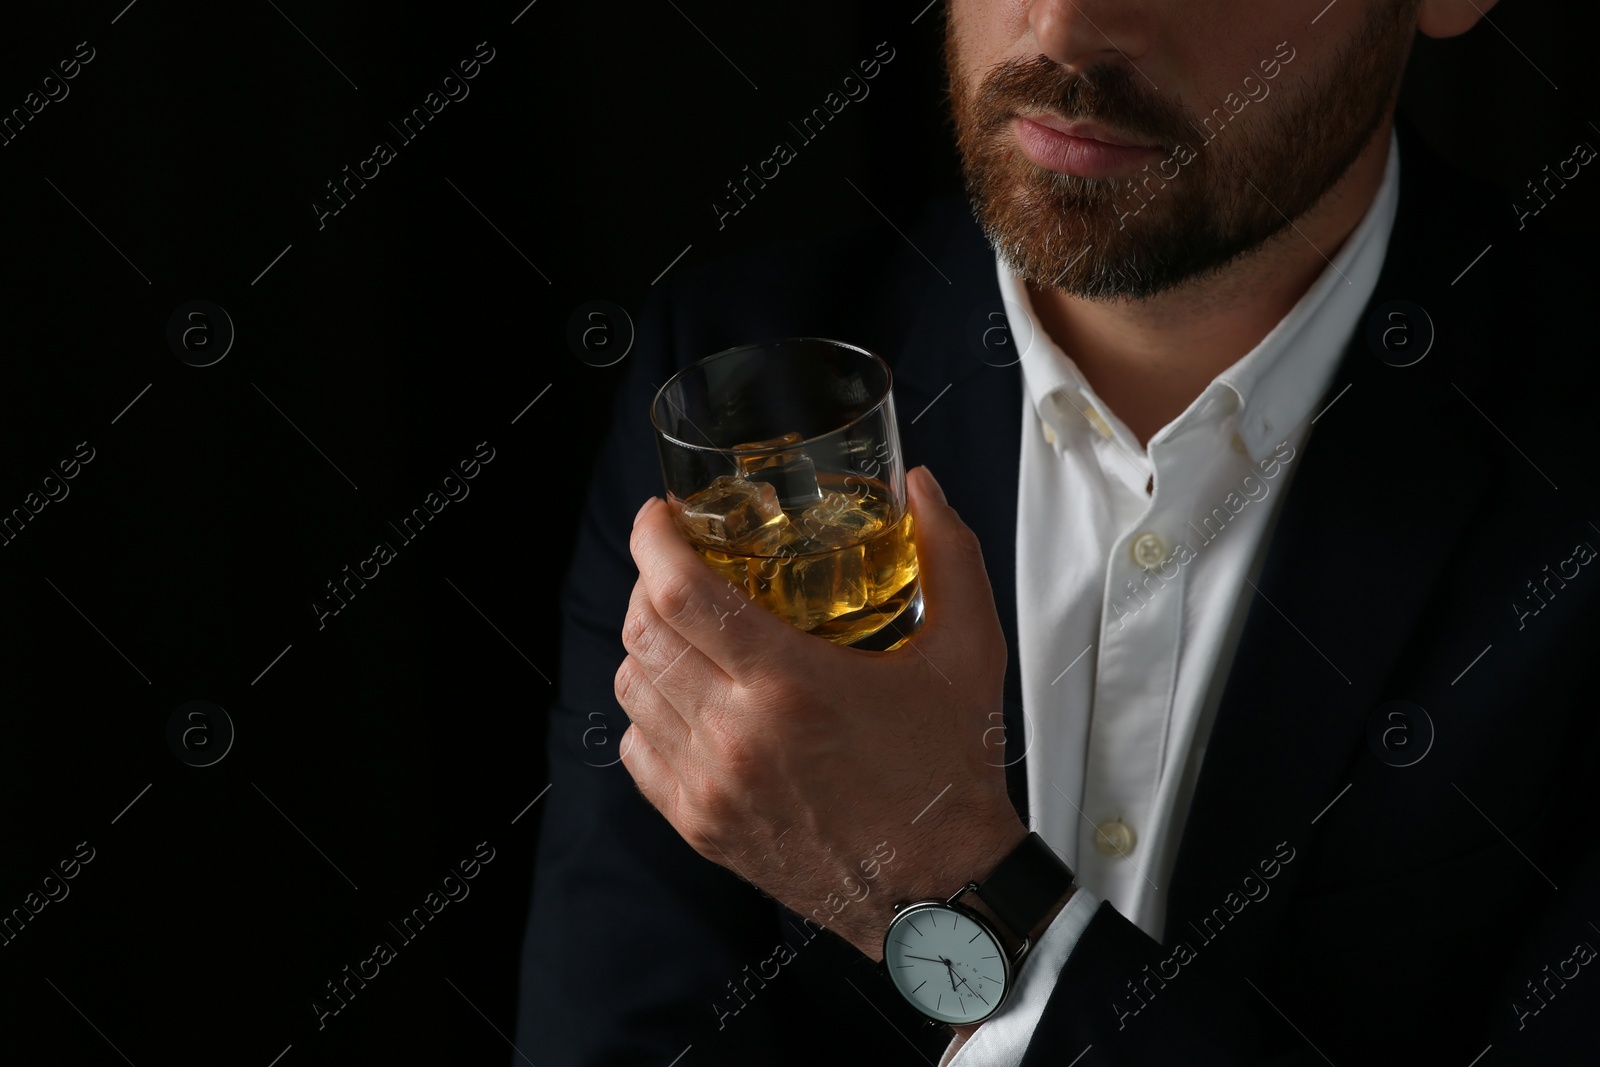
(1384, 488)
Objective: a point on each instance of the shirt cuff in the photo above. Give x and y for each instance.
(1002, 1038)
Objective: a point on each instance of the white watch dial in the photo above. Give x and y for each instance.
(945, 963)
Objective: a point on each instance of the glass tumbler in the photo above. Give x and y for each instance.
(783, 469)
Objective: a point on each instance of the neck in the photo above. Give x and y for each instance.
(1148, 359)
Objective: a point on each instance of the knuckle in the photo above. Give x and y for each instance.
(703, 844)
(732, 749)
(642, 637)
(967, 544)
(625, 684)
(628, 748)
(676, 603)
(635, 631)
(714, 805)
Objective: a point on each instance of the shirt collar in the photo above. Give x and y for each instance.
(1270, 393)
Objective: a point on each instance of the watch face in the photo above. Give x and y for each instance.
(946, 963)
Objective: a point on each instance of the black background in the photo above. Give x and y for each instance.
(369, 359)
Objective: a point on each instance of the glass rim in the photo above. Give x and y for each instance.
(888, 394)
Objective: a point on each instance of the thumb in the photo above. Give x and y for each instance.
(955, 586)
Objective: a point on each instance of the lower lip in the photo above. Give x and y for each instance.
(1080, 156)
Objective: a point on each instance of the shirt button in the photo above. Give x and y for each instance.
(1098, 422)
(1114, 838)
(1049, 435)
(1238, 444)
(1147, 549)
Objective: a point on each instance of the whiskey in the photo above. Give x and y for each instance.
(835, 562)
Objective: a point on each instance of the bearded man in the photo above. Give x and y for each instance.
(1272, 562)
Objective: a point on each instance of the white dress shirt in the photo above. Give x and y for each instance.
(1129, 602)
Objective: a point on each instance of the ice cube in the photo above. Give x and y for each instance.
(838, 520)
(780, 540)
(892, 562)
(811, 590)
(729, 512)
(790, 472)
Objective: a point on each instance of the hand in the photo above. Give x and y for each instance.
(789, 759)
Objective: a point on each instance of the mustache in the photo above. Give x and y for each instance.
(1108, 95)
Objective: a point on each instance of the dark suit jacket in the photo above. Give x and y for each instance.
(1418, 902)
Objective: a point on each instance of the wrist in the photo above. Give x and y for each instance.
(972, 860)
(1014, 937)
(972, 901)
(1009, 902)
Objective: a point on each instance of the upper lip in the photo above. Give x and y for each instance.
(1087, 130)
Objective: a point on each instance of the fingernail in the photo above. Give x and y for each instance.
(934, 482)
(643, 509)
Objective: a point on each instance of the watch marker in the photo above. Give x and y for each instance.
(913, 926)
(973, 938)
(924, 982)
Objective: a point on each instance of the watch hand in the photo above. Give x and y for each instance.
(974, 992)
(930, 959)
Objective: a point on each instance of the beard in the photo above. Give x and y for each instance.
(1107, 238)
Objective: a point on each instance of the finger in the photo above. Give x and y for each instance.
(955, 585)
(650, 771)
(679, 671)
(709, 611)
(651, 714)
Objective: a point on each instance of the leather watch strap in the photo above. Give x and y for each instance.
(1026, 885)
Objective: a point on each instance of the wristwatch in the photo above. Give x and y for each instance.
(952, 961)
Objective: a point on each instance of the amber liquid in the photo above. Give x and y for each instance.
(843, 594)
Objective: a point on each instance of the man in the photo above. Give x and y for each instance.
(1304, 708)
